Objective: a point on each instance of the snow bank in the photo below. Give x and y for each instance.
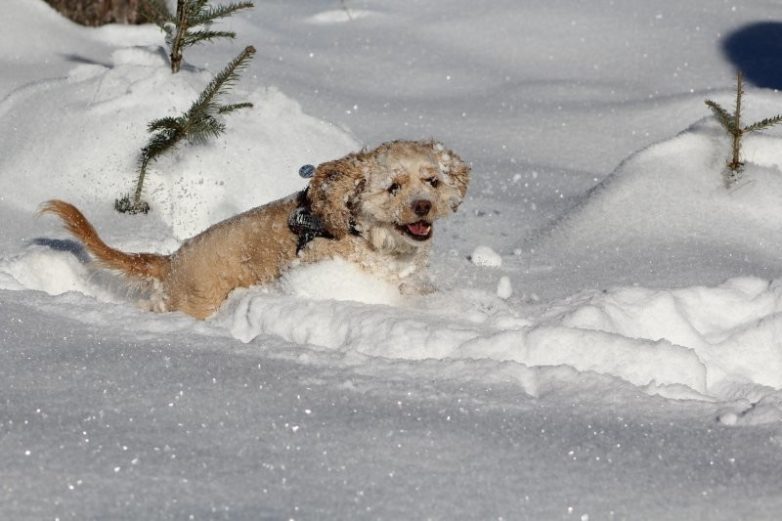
(732, 328)
(44, 269)
(101, 112)
(672, 194)
(718, 343)
(424, 330)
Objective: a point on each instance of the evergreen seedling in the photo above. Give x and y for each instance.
(201, 122)
(190, 24)
(732, 125)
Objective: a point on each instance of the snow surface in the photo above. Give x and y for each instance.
(605, 338)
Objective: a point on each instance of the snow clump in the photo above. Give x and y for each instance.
(486, 257)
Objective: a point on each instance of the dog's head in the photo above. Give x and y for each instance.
(391, 194)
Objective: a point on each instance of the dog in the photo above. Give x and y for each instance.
(375, 208)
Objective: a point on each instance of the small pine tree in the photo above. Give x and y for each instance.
(201, 122)
(732, 125)
(182, 29)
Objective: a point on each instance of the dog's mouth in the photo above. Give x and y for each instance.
(419, 231)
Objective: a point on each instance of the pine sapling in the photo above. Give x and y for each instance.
(190, 24)
(732, 125)
(201, 122)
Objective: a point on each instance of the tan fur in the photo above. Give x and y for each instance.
(350, 195)
(143, 265)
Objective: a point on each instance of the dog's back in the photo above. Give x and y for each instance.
(247, 249)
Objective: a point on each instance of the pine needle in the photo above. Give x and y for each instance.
(210, 14)
(168, 123)
(722, 115)
(764, 123)
(194, 37)
(191, 23)
(223, 81)
(225, 109)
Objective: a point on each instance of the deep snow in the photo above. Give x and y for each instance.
(604, 343)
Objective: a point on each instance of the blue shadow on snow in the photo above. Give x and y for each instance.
(756, 50)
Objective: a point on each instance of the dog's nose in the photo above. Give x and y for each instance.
(421, 207)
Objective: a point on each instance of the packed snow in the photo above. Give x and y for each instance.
(604, 340)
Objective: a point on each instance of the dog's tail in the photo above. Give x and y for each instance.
(139, 265)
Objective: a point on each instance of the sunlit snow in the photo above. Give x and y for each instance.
(605, 338)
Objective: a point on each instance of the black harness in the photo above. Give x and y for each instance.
(302, 222)
(305, 225)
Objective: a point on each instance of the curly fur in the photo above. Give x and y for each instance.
(378, 206)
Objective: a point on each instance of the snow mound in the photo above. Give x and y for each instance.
(418, 333)
(673, 194)
(707, 342)
(733, 328)
(101, 112)
(57, 267)
(45, 269)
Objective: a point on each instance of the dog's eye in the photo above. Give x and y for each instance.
(433, 181)
(394, 188)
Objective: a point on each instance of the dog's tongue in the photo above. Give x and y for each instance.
(419, 228)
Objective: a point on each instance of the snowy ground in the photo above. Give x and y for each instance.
(605, 343)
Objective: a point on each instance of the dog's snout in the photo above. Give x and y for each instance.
(422, 207)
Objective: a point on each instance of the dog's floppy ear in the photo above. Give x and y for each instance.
(456, 171)
(334, 191)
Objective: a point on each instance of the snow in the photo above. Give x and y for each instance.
(338, 16)
(604, 341)
(682, 183)
(105, 98)
(504, 288)
(338, 279)
(486, 257)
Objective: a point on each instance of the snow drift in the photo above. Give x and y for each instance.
(672, 194)
(709, 343)
(100, 116)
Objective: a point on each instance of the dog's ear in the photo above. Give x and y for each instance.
(334, 193)
(456, 171)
